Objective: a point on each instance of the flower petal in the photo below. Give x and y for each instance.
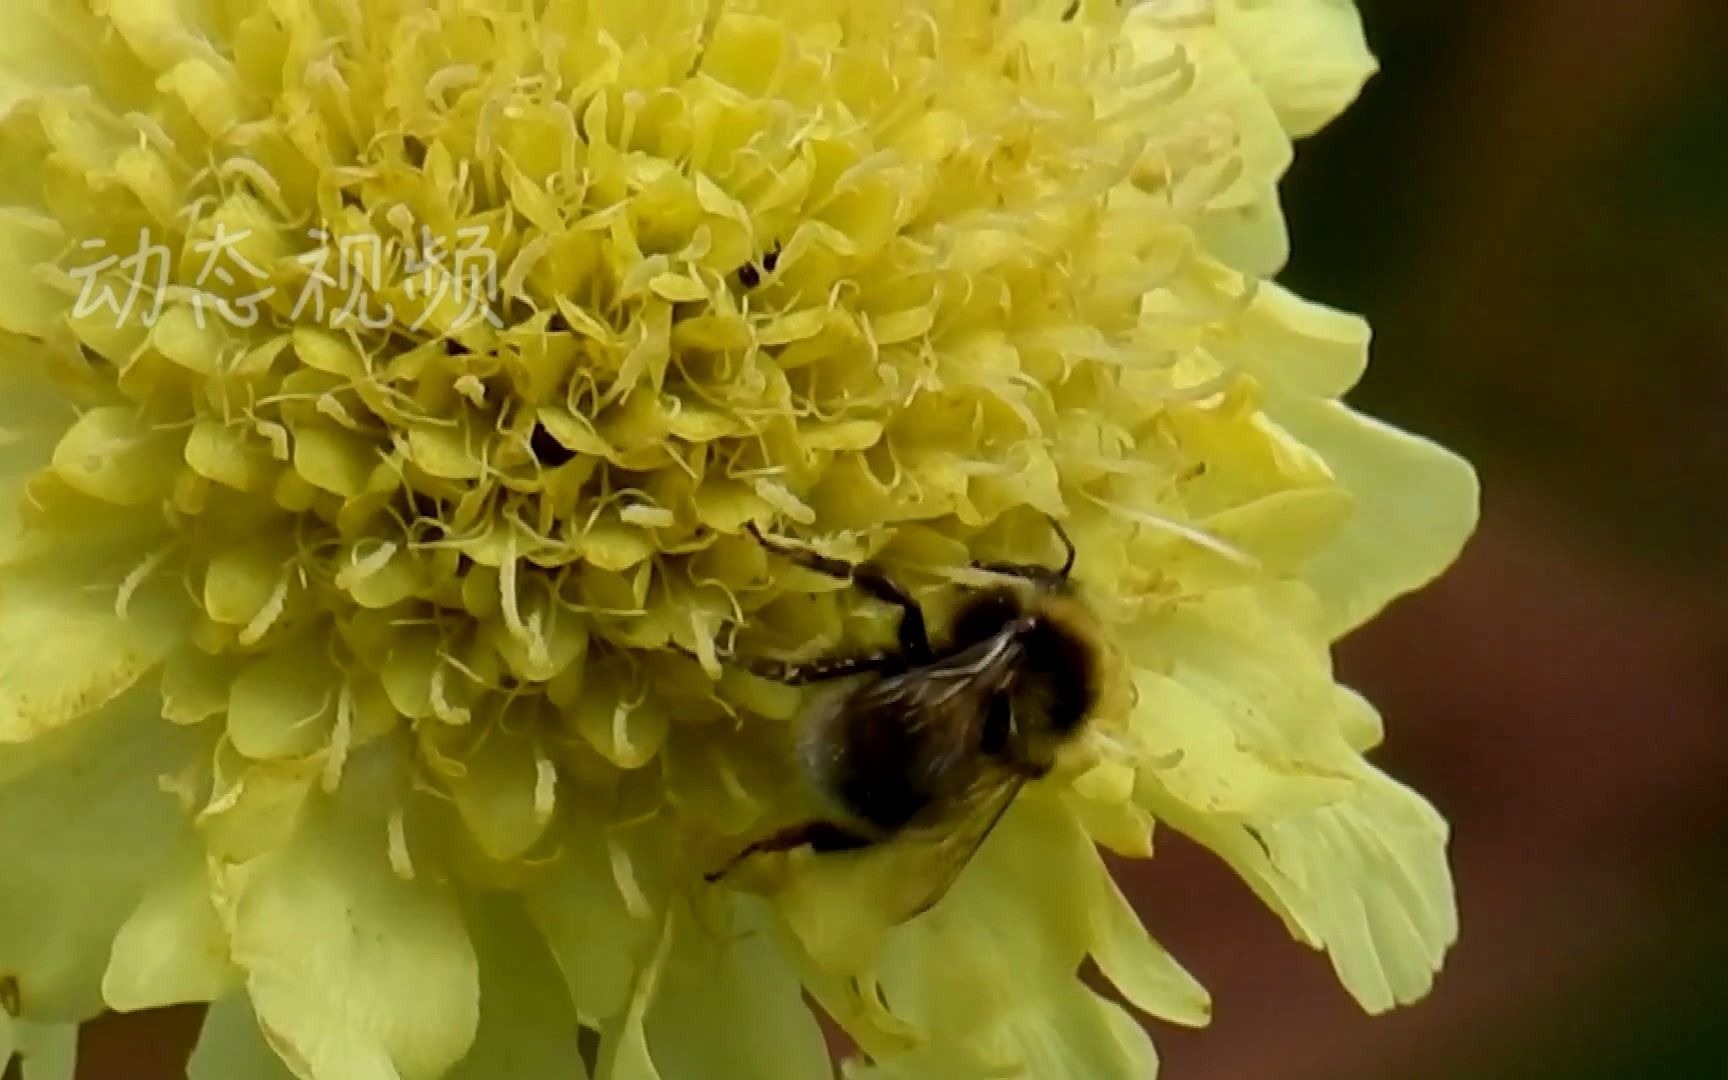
(1001, 932)
(1149, 977)
(65, 650)
(283, 704)
(33, 417)
(230, 1046)
(1063, 1031)
(499, 795)
(1201, 759)
(1359, 720)
(113, 453)
(1240, 716)
(1376, 888)
(1073, 1034)
(1416, 505)
(1366, 879)
(36, 51)
(1251, 238)
(28, 305)
(599, 943)
(172, 949)
(1221, 107)
(623, 1039)
(72, 878)
(356, 972)
(733, 1007)
(527, 1023)
(1310, 56)
(1292, 345)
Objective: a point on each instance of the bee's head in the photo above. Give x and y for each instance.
(1058, 677)
(1056, 685)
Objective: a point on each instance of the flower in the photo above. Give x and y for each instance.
(386, 391)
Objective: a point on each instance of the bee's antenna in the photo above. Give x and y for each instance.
(1067, 545)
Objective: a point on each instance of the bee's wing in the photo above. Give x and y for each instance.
(931, 721)
(950, 847)
(935, 715)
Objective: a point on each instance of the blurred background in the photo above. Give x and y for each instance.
(1530, 203)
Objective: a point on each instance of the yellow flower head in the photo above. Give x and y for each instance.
(387, 393)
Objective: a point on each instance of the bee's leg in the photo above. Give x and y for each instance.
(1026, 571)
(1068, 552)
(802, 673)
(1033, 572)
(913, 634)
(822, 837)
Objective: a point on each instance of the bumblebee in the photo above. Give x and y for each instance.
(934, 742)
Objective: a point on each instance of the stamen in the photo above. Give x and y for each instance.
(401, 863)
(129, 587)
(624, 877)
(545, 786)
(267, 615)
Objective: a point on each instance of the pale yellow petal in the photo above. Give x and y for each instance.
(1291, 345)
(65, 649)
(1366, 879)
(86, 836)
(1242, 850)
(1001, 931)
(1310, 56)
(1359, 720)
(172, 949)
(981, 952)
(1240, 716)
(45, 44)
(1417, 504)
(33, 416)
(28, 241)
(254, 808)
(1148, 977)
(1062, 1031)
(623, 1052)
(1198, 755)
(732, 1005)
(500, 795)
(527, 1022)
(356, 972)
(1220, 143)
(1076, 1035)
(114, 454)
(580, 906)
(1251, 238)
(283, 705)
(1376, 886)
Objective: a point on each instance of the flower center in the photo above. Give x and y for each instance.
(462, 367)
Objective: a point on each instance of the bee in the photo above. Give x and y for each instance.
(935, 741)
